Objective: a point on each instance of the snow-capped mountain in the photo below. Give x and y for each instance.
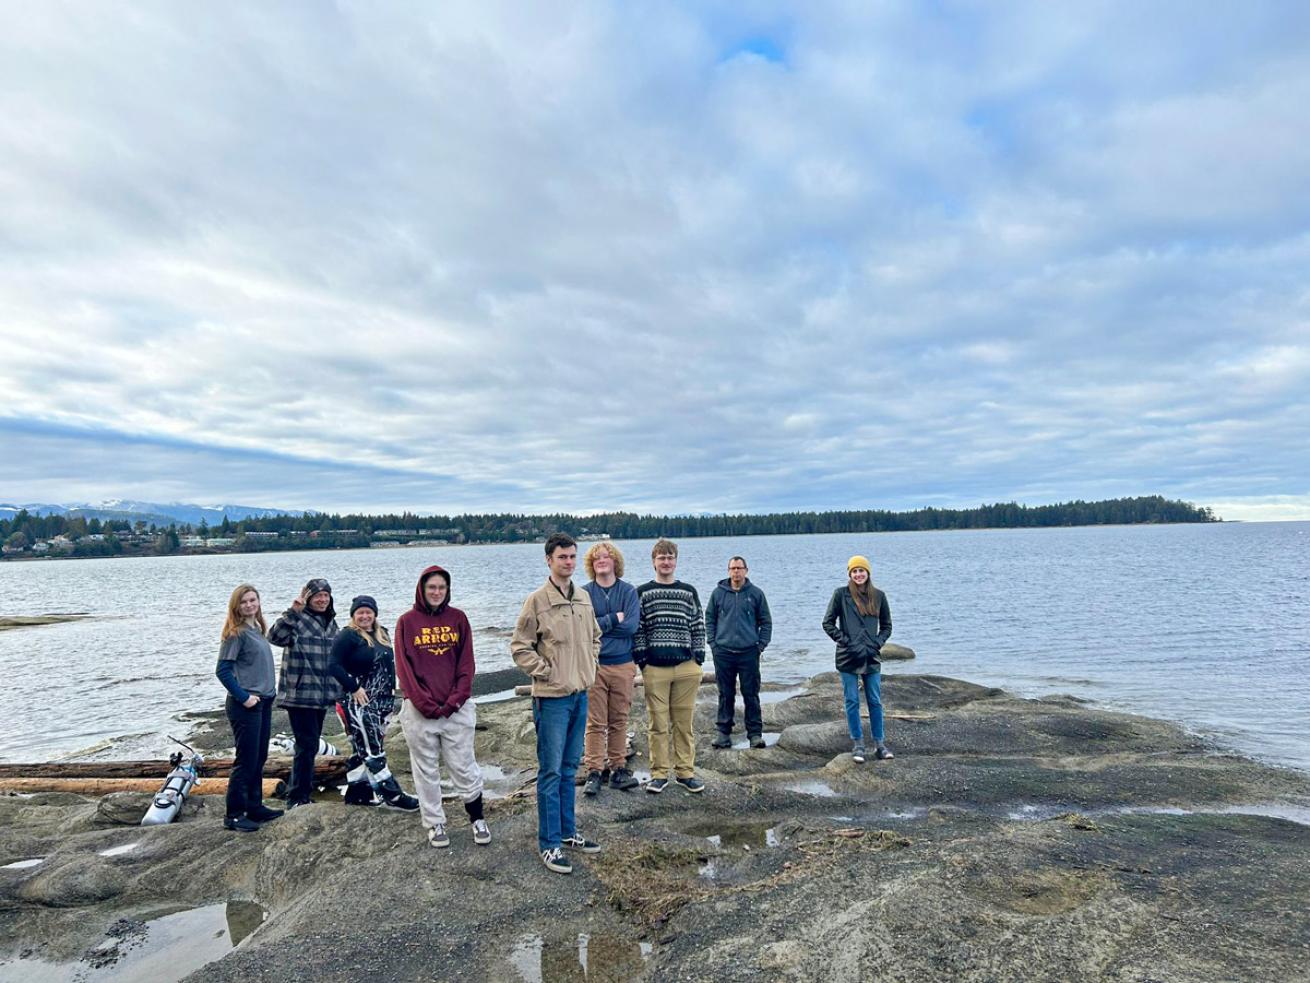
(155, 513)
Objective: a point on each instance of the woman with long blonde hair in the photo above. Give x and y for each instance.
(245, 668)
(859, 620)
(364, 663)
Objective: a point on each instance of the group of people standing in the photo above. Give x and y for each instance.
(357, 669)
(582, 649)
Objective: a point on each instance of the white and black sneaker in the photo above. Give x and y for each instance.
(579, 842)
(481, 832)
(556, 861)
(857, 754)
(437, 836)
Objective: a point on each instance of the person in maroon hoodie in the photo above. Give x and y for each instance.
(434, 660)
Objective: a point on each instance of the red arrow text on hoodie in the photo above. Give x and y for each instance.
(434, 653)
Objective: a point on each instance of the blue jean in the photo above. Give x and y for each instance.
(560, 721)
(850, 686)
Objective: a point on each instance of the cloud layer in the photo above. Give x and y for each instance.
(661, 258)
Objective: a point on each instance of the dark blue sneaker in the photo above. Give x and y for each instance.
(656, 785)
(692, 784)
(556, 861)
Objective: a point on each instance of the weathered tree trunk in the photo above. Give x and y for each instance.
(326, 769)
(103, 786)
(526, 689)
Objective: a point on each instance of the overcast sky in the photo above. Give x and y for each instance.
(660, 257)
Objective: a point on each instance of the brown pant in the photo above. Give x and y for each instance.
(670, 703)
(608, 702)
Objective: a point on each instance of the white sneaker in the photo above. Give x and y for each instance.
(481, 832)
(857, 754)
(437, 836)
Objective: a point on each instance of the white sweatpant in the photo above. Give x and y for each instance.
(447, 741)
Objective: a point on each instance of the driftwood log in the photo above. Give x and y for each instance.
(104, 786)
(526, 689)
(327, 770)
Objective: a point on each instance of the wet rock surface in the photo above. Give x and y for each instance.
(8, 623)
(1009, 839)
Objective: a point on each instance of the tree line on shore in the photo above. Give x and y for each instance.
(77, 536)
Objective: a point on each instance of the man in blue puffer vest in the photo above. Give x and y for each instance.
(738, 627)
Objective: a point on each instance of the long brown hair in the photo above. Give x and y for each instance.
(862, 595)
(232, 627)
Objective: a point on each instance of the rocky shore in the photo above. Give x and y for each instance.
(1009, 839)
(10, 622)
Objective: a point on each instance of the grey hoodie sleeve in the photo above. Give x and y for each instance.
(712, 620)
(764, 622)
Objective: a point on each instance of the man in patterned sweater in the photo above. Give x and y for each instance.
(670, 649)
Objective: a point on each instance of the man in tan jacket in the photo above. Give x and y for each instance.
(557, 642)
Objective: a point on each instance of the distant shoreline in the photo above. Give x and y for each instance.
(291, 547)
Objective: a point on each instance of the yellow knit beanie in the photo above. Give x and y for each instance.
(858, 561)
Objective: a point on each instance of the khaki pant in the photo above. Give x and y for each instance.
(447, 741)
(670, 703)
(608, 703)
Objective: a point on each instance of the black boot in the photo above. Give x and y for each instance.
(593, 784)
(623, 779)
(360, 794)
(394, 797)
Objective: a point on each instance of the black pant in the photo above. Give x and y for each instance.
(728, 666)
(307, 727)
(250, 731)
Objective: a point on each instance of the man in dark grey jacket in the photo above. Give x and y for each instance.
(738, 627)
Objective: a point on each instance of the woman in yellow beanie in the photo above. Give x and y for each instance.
(860, 622)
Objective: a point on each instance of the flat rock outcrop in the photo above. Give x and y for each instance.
(1008, 839)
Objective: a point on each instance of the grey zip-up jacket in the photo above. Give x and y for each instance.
(859, 639)
(306, 679)
(738, 620)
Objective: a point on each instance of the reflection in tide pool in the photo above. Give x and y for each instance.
(589, 957)
(813, 787)
(165, 948)
(741, 835)
(24, 864)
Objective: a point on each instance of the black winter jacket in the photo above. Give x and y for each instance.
(859, 639)
(363, 661)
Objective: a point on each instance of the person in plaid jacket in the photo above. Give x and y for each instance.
(306, 687)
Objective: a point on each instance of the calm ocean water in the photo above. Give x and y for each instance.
(1207, 625)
